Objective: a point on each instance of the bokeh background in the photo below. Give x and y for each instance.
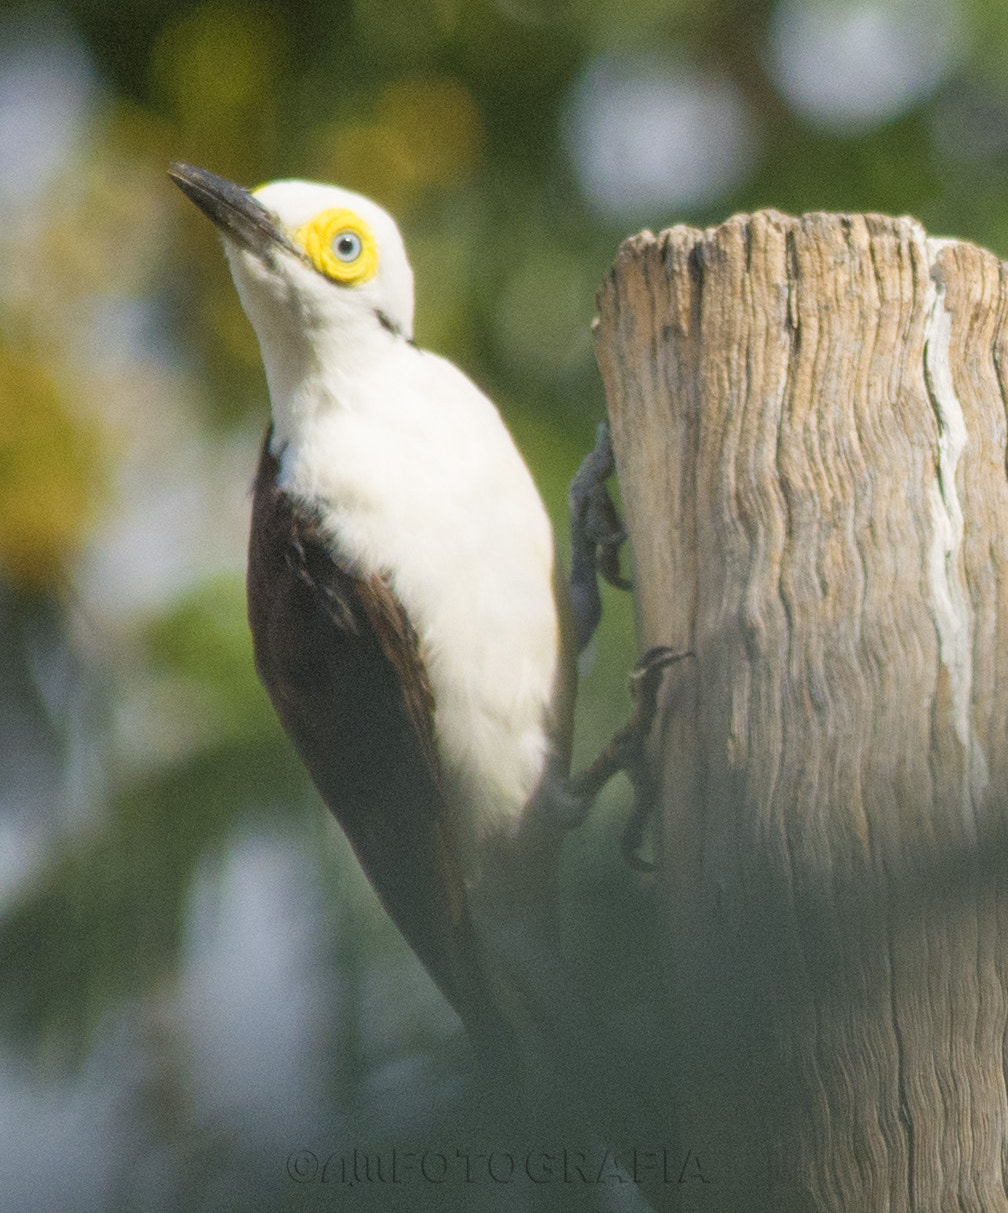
(195, 981)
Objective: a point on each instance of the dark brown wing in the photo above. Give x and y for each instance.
(341, 664)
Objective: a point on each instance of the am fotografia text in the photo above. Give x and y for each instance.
(457, 1166)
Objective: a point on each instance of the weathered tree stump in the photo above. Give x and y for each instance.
(809, 420)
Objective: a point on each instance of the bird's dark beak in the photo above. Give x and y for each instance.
(233, 209)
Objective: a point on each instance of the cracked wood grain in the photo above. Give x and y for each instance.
(809, 421)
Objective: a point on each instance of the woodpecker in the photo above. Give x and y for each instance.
(409, 618)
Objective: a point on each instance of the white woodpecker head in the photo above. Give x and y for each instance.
(313, 264)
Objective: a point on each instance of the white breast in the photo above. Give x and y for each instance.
(418, 479)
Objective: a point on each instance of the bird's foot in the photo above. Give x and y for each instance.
(596, 534)
(625, 752)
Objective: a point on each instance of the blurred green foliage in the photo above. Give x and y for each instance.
(51, 472)
(127, 367)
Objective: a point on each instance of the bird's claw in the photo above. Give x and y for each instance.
(625, 752)
(645, 681)
(596, 535)
(595, 519)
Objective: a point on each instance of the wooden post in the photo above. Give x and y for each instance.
(809, 421)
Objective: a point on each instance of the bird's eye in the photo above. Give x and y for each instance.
(347, 246)
(340, 245)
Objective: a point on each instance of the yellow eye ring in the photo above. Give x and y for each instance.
(340, 245)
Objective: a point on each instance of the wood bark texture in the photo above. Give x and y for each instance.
(809, 421)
